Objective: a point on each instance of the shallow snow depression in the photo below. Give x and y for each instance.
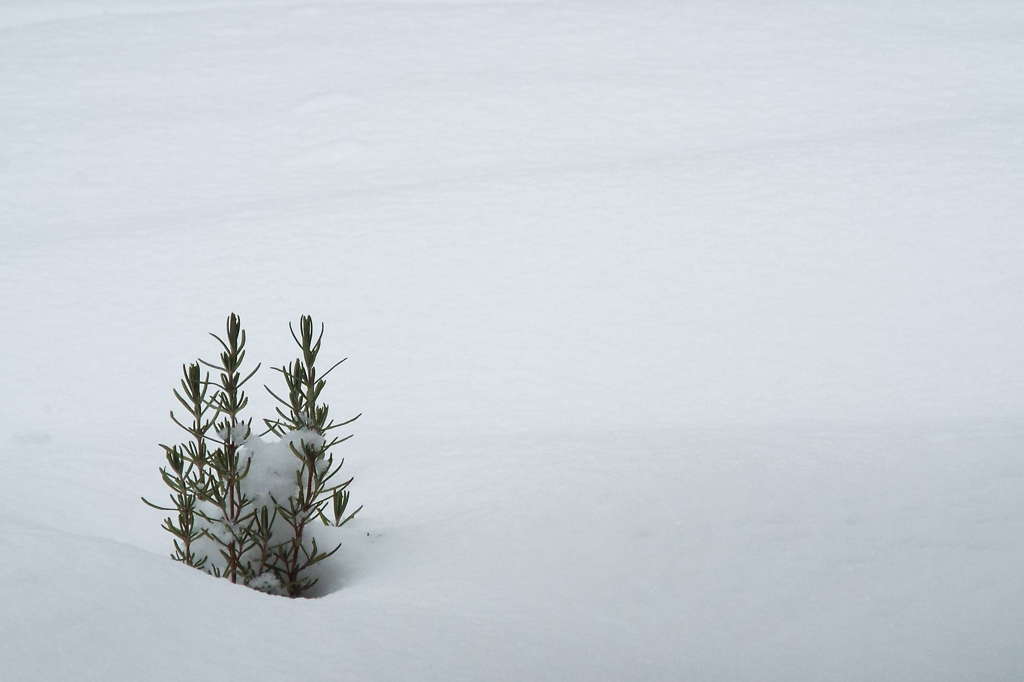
(687, 335)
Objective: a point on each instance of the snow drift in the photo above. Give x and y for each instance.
(687, 334)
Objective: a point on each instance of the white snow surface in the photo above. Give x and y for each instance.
(688, 335)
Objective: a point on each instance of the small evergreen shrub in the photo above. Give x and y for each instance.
(241, 507)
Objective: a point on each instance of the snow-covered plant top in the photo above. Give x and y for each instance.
(243, 507)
